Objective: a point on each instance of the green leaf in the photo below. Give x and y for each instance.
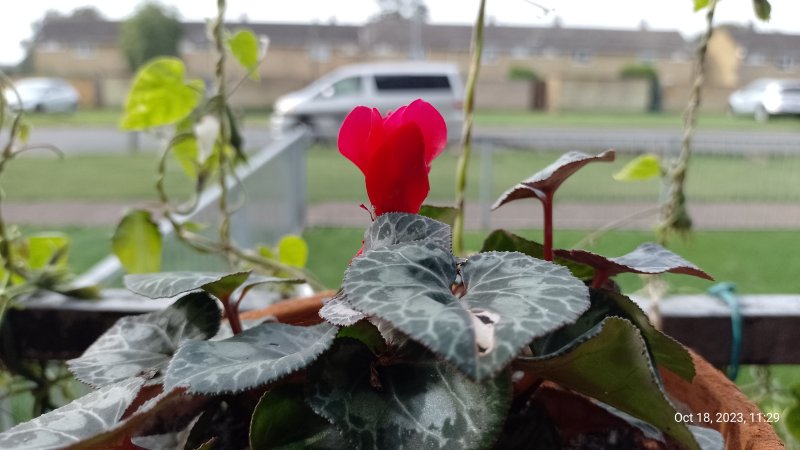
(366, 333)
(643, 167)
(86, 417)
(396, 228)
(160, 95)
(506, 241)
(277, 416)
(791, 420)
(612, 365)
(445, 214)
(186, 152)
(293, 251)
(24, 131)
(510, 299)
(145, 343)
(137, 242)
(666, 351)
(254, 357)
(550, 178)
(763, 9)
(244, 47)
(47, 249)
(420, 403)
(700, 4)
(170, 284)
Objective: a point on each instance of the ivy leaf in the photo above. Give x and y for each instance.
(763, 9)
(46, 249)
(550, 178)
(612, 366)
(137, 242)
(445, 214)
(170, 284)
(643, 167)
(665, 351)
(186, 151)
(395, 228)
(338, 312)
(293, 251)
(254, 357)
(510, 299)
(506, 241)
(144, 343)
(648, 258)
(700, 4)
(244, 47)
(401, 413)
(160, 95)
(277, 415)
(86, 417)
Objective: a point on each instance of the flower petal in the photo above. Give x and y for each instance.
(359, 131)
(432, 126)
(396, 175)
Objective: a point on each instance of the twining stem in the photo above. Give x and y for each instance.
(466, 137)
(547, 207)
(674, 216)
(224, 131)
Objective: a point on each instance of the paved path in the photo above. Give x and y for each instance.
(521, 214)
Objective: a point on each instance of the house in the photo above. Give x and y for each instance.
(580, 64)
(743, 55)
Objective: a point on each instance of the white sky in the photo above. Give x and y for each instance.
(17, 17)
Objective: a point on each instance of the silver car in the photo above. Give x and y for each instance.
(766, 97)
(323, 105)
(42, 95)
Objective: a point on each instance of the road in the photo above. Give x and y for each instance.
(110, 140)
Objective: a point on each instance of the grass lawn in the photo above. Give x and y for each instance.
(757, 261)
(711, 178)
(110, 117)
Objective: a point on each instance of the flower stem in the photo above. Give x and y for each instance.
(232, 314)
(547, 206)
(466, 137)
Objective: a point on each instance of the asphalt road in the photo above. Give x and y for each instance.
(110, 140)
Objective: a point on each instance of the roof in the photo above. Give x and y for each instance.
(395, 34)
(769, 45)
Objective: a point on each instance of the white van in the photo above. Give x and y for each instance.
(323, 105)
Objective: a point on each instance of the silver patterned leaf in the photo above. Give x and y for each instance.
(648, 258)
(421, 403)
(170, 284)
(611, 364)
(145, 343)
(338, 312)
(84, 418)
(517, 298)
(397, 228)
(707, 438)
(551, 177)
(252, 358)
(510, 299)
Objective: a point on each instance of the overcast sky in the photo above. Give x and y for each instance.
(16, 20)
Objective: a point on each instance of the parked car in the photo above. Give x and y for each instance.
(323, 105)
(766, 97)
(43, 95)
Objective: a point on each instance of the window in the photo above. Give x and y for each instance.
(320, 53)
(786, 63)
(520, 52)
(84, 50)
(582, 57)
(411, 82)
(342, 88)
(755, 59)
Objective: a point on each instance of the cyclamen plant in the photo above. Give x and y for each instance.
(419, 349)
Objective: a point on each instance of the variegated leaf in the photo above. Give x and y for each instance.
(88, 416)
(422, 403)
(510, 299)
(252, 358)
(611, 363)
(145, 343)
(170, 284)
(517, 298)
(396, 228)
(648, 258)
(551, 177)
(338, 312)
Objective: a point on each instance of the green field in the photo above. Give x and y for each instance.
(757, 261)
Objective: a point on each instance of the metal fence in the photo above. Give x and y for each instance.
(270, 193)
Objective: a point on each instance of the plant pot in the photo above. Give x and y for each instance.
(710, 392)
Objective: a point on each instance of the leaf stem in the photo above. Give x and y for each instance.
(547, 207)
(466, 137)
(232, 314)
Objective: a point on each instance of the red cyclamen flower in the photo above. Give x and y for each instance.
(394, 152)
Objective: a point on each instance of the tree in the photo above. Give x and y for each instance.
(152, 31)
(406, 9)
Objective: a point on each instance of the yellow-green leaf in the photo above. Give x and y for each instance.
(160, 95)
(266, 252)
(641, 168)
(185, 151)
(293, 251)
(47, 249)
(700, 4)
(244, 47)
(763, 9)
(137, 243)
